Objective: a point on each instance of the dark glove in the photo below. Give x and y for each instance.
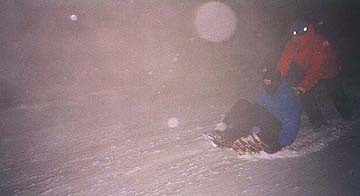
(295, 75)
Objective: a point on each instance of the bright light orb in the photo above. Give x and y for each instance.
(73, 17)
(173, 122)
(215, 21)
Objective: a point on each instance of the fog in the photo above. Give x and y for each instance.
(150, 46)
(143, 66)
(137, 44)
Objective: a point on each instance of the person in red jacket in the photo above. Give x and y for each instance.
(307, 59)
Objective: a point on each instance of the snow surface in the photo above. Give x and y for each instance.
(47, 152)
(85, 104)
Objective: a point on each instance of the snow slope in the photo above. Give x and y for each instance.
(85, 148)
(87, 89)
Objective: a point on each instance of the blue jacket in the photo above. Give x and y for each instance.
(285, 106)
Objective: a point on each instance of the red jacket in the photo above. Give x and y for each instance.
(314, 54)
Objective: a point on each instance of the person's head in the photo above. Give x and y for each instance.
(300, 29)
(271, 80)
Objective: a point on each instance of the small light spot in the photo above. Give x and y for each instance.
(73, 17)
(173, 122)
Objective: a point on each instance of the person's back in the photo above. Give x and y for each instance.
(279, 99)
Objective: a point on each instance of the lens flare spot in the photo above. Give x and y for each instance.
(215, 21)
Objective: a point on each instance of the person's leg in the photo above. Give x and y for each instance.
(237, 123)
(265, 137)
(241, 118)
(341, 101)
(312, 109)
(270, 129)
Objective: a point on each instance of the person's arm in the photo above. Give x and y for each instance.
(314, 74)
(286, 58)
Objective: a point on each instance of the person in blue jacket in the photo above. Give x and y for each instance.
(273, 121)
(279, 99)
